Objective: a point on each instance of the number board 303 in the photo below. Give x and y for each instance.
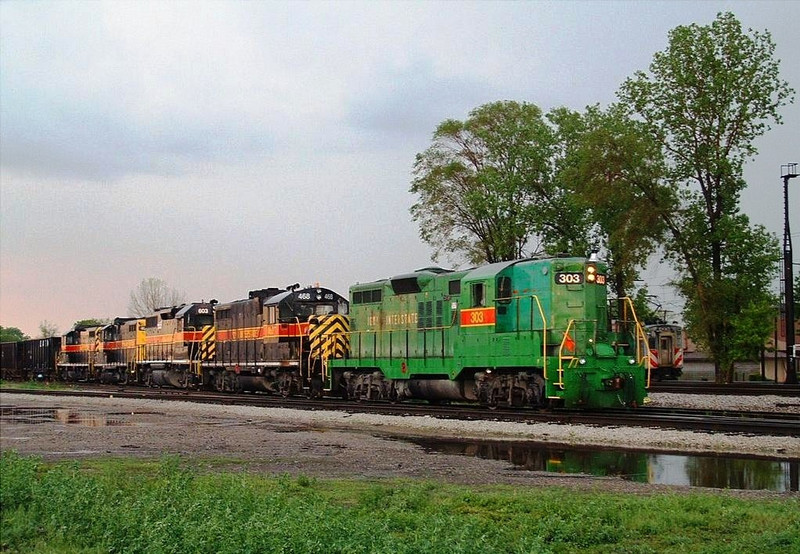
(569, 278)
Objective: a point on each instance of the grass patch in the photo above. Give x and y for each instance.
(32, 385)
(171, 506)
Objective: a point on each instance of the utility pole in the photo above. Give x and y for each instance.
(788, 171)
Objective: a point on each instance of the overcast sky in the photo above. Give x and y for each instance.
(229, 146)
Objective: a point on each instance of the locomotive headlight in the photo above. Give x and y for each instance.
(631, 362)
(591, 273)
(582, 361)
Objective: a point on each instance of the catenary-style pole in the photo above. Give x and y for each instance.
(788, 171)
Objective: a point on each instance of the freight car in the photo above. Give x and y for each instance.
(521, 333)
(278, 341)
(666, 350)
(10, 360)
(30, 359)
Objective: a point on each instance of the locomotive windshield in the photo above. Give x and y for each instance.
(199, 320)
(307, 310)
(304, 311)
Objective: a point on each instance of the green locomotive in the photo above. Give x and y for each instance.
(532, 332)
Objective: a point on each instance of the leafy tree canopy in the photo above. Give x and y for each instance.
(707, 97)
(510, 182)
(47, 330)
(612, 168)
(486, 188)
(12, 334)
(92, 322)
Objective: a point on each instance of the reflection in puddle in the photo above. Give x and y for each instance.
(645, 467)
(57, 415)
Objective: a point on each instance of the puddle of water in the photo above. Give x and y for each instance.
(65, 416)
(645, 467)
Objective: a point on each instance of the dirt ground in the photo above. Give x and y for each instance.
(269, 441)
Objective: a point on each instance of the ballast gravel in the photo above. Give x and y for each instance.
(339, 444)
(766, 403)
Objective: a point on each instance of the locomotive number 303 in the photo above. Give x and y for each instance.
(573, 278)
(477, 317)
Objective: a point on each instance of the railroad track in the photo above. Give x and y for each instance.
(751, 423)
(741, 389)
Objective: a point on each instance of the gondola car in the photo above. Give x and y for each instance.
(30, 358)
(10, 360)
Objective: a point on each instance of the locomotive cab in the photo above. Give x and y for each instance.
(79, 349)
(300, 305)
(321, 318)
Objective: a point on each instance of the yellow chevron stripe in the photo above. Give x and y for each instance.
(208, 344)
(329, 337)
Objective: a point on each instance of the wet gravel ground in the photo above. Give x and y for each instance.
(728, 402)
(337, 444)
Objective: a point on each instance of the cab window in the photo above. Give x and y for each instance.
(504, 289)
(478, 295)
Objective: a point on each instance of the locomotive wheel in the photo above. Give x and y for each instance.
(285, 385)
(517, 399)
(315, 391)
(493, 399)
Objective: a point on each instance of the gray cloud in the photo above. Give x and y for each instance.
(414, 99)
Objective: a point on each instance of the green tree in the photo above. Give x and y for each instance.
(153, 293)
(648, 311)
(612, 168)
(708, 96)
(12, 334)
(92, 322)
(485, 187)
(47, 330)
